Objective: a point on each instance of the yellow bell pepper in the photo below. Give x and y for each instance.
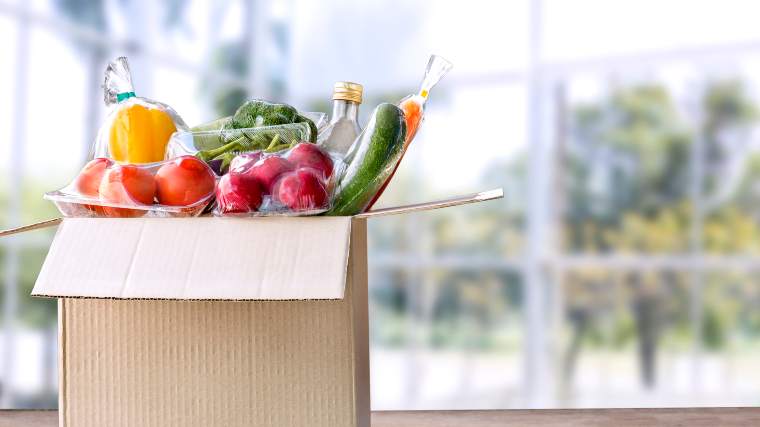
(140, 134)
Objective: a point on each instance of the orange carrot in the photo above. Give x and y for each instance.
(413, 107)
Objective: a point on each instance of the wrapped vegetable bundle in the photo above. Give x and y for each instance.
(377, 152)
(413, 107)
(298, 181)
(178, 187)
(372, 160)
(137, 130)
(128, 176)
(269, 139)
(252, 114)
(256, 126)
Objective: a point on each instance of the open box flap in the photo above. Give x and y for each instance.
(198, 258)
(438, 204)
(396, 210)
(267, 258)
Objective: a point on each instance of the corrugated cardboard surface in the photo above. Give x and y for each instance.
(172, 362)
(198, 258)
(358, 279)
(218, 363)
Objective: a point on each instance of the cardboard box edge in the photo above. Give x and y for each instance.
(62, 389)
(45, 284)
(394, 210)
(360, 322)
(465, 199)
(31, 227)
(40, 295)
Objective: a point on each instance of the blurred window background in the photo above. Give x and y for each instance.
(621, 269)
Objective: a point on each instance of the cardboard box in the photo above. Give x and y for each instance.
(214, 321)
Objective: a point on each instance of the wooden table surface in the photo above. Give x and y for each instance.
(712, 417)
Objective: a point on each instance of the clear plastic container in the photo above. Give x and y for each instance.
(181, 187)
(299, 181)
(219, 147)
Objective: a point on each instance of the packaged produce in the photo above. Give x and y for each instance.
(373, 158)
(256, 125)
(255, 113)
(219, 147)
(173, 188)
(414, 109)
(137, 129)
(344, 123)
(298, 181)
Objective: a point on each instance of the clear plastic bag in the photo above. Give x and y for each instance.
(136, 130)
(294, 182)
(413, 107)
(371, 160)
(180, 187)
(219, 147)
(256, 113)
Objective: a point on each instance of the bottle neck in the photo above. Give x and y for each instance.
(345, 109)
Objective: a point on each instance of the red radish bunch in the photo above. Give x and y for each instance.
(296, 181)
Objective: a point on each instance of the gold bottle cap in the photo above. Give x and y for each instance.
(348, 91)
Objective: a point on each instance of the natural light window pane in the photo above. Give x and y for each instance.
(626, 168)
(597, 28)
(440, 335)
(626, 339)
(481, 38)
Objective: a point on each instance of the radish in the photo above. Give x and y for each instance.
(309, 155)
(301, 190)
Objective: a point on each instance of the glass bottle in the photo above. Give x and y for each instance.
(344, 123)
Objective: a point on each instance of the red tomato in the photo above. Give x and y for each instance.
(88, 180)
(184, 181)
(129, 185)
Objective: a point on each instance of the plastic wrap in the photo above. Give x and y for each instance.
(180, 187)
(257, 113)
(136, 129)
(219, 147)
(371, 160)
(319, 119)
(413, 107)
(295, 182)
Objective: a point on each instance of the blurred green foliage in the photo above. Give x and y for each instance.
(33, 246)
(627, 183)
(631, 179)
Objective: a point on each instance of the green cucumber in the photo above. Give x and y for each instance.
(375, 154)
